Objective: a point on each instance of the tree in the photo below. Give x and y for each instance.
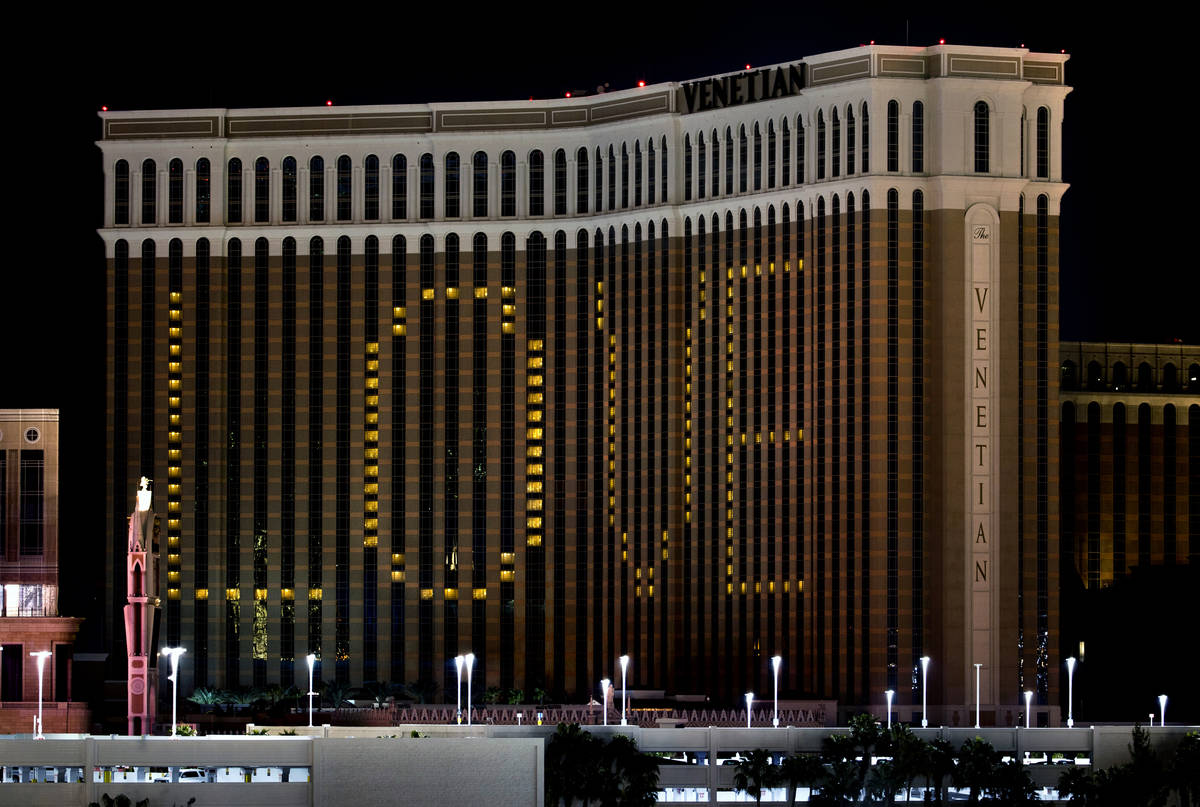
(570, 755)
(977, 761)
(755, 772)
(634, 774)
(335, 694)
(910, 754)
(1184, 773)
(582, 768)
(1138, 783)
(800, 770)
(940, 760)
(1012, 783)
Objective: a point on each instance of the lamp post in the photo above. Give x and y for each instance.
(889, 694)
(776, 663)
(624, 666)
(977, 666)
(469, 666)
(1162, 710)
(173, 653)
(924, 691)
(749, 702)
(459, 660)
(311, 658)
(604, 685)
(41, 656)
(1070, 692)
(1028, 701)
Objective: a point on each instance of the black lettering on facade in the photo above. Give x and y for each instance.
(981, 571)
(981, 297)
(981, 536)
(981, 377)
(981, 416)
(981, 338)
(742, 88)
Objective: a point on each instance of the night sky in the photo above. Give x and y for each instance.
(1124, 276)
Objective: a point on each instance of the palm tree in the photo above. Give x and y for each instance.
(634, 775)
(755, 772)
(940, 760)
(571, 754)
(800, 769)
(335, 694)
(1184, 772)
(910, 754)
(977, 762)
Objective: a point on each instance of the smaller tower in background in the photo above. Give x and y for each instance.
(141, 612)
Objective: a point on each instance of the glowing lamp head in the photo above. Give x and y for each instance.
(776, 663)
(624, 662)
(458, 663)
(1071, 664)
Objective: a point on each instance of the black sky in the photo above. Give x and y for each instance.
(1125, 271)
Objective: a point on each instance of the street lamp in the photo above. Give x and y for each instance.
(977, 666)
(624, 666)
(1162, 710)
(1070, 692)
(459, 660)
(41, 656)
(469, 663)
(173, 653)
(776, 663)
(311, 658)
(924, 690)
(749, 701)
(1028, 701)
(889, 693)
(604, 685)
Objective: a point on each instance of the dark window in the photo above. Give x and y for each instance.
(175, 191)
(452, 180)
(508, 184)
(399, 186)
(316, 189)
(687, 168)
(836, 126)
(371, 188)
(893, 136)
(1043, 142)
(426, 186)
(598, 182)
(581, 181)
(203, 191)
(701, 165)
(728, 161)
(1120, 377)
(344, 188)
(32, 502)
(849, 139)
(785, 154)
(612, 179)
(918, 137)
(288, 212)
(800, 145)
(262, 190)
(982, 147)
(866, 139)
(233, 194)
(715, 168)
(757, 158)
(121, 192)
(637, 173)
(743, 158)
(149, 187)
(537, 183)
(624, 175)
(663, 159)
(560, 183)
(821, 155)
(1068, 377)
(770, 154)
(479, 187)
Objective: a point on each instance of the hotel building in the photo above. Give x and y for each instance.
(698, 372)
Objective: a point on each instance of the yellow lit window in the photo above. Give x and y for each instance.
(314, 594)
(729, 588)
(427, 594)
(508, 292)
(398, 576)
(372, 400)
(172, 577)
(599, 306)
(372, 365)
(534, 362)
(452, 293)
(371, 505)
(758, 438)
(372, 487)
(533, 434)
(399, 329)
(507, 575)
(534, 522)
(534, 504)
(508, 328)
(172, 594)
(771, 584)
(175, 333)
(202, 594)
(372, 418)
(599, 323)
(232, 594)
(535, 415)
(479, 594)
(372, 435)
(174, 367)
(372, 383)
(260, 593)
(535, 380)
(371, 524)
(535, 344)
(398, 558)
(533, 451)
(426, 294)
(450, 593)
(173, 507)
(665, 552)
(287, 593)
(508, 557)
(533, 540)
(176, 350)
(176, 297)
(599, 286)
(535, 469)
(757, 587)
(399, 311)
(533, 487)
(481, 292)
(743, 587)
(175, 385)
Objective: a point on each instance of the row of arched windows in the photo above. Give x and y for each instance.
(1124, 379)
(637, 175)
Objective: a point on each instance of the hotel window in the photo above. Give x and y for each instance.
(1043, 143)
(982, 147)
(687, 168)
(175, 191)
(650, 167)
(715, 145)
(785, 153)
(121, 192)
(288, 212)
(820, 144)
(262, 190)
(581, 181)
(233, 192)
(728, 161)
(597, 186)
(452, 181)
(508, 184)
(612, 179)
(371, 188)
(479, 185)
(344, 188)
(701, 165)
(537, 183)
(849, 139)
(560, 183)
(399, 187)
(757, 158)
(866, 139)
(743, 158)
(624, 175)
(800, 144)
(836, 161)
(637, 173)
(893, 136)
(918, 137)
(203, 190)
(426, 186)
(316, 189)
(149, 185)
(663, 159)
(32, 501)
(770, 154)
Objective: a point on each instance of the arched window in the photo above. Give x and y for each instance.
(479, 185)
(560, 182)
(175, 191)
(203, 191)
(581, 181)
(612, 178)
(637, 173)
(121, 192)
(918, 137)
(1068, 378)
(537, 184)
(866, 139)
(663, 159)
(728, 161)
(1095, 376)
(1120, 377)
(371, 188)
(701, 165)
(743, 158)
(426, 185)
(715, 145)
(1170, 378)
(344, 189)
(651, 168)
(508, 184)
(624, 175)
(836, 125)
(262, 190)
(149, 187)
(687, 168)
(399, 186)
(452, 181)
(233, 192)
(288, 207)
(1043, 143)
(786, 153)
(982, 129)
(316, 189)
(757, 157)
(770, 154)
(893, 136)
(598, 184)
(800, 148)
(849, 139)
(1145, 380)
